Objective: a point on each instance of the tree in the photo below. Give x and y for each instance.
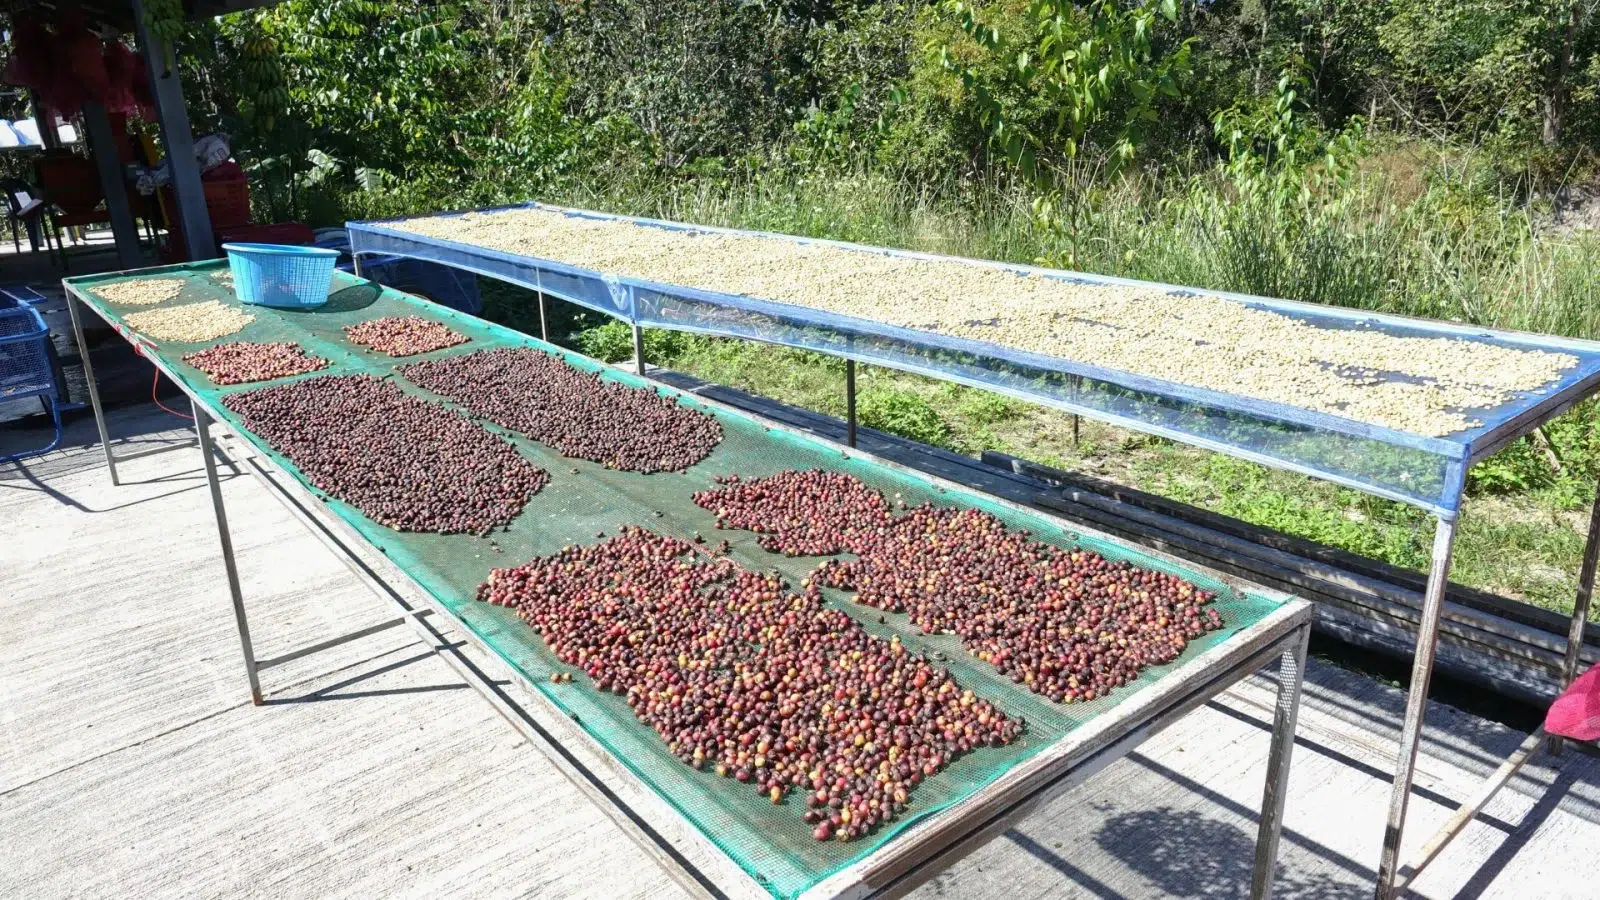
(1504, 68)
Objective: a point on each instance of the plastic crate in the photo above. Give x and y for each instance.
(228, 202)
(280, 275)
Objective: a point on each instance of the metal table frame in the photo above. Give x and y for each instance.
(1389, 882)
(685, 854)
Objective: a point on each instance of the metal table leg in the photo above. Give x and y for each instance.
(638, 349)
(355, 264)
(1580, 607)
(94, 390)
(207, 452)
(850, 401)
(1291, 673)
(1444, 537)
(544, 329)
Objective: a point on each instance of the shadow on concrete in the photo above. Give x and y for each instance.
(1182, 853)
(1220, 801)
(336, 691)
(1484, 875)
(35, 484)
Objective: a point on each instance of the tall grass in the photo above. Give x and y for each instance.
(1435, 256)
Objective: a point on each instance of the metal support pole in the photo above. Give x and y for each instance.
(1444, 537)
(850, 401)
(203, 429)
(94, 391)
(178, 141)
(544, 330)
(1291, 673)
(1077, 385)
(1580, 607)
(355, 263)
(638, 348)
(103, 145)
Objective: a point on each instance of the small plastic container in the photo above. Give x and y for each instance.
(281, 275)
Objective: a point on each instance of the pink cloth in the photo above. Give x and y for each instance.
(1576, 713)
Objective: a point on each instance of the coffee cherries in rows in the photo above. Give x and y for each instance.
(238, 362)
(751, 681)
(404, 462)
(578, 413)
(403, 335)
(1068, 624)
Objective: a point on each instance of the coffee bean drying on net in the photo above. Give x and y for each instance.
(578, 413)
(404, 462)
(806, 513)
(239, 362)
(403, 335)
(749, 680)
(1069, 624)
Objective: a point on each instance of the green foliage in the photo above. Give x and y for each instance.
(610, 342)
(1393, 155)
(691, 78)
(613, 342)
(1562, 460)
(903, 413)
(982, 407)
(1093, 73)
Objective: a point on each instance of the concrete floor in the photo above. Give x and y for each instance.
(133, 765)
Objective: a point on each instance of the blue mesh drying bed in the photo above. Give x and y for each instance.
(1417, 468)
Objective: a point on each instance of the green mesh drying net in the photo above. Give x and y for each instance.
(770, 842)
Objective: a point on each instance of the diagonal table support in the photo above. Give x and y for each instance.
(94, 390)
(208, 453)
(1444, 537)
(1291, 674)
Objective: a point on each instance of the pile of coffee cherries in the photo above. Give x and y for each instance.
(404, 462)
(403, 335)
(580, 414)
(1069, 624)
(750, 680)
(239, 362)
(810, 513)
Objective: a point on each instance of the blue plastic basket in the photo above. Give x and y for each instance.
(281, 275)
(27, 368)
